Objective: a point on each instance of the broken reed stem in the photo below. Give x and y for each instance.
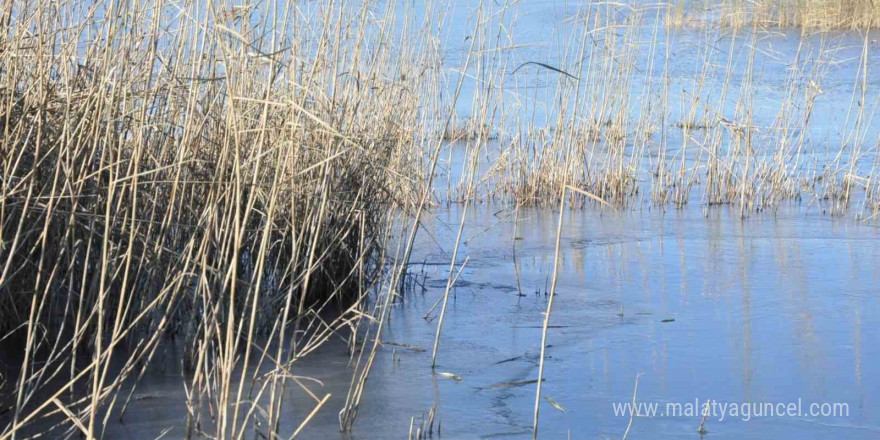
(706, 411)
(632, 414)
(309, 417)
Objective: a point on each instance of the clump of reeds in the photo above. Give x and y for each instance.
(590, 130)
(597, 139)
(425, 428)
(805, 14)
(218, 175)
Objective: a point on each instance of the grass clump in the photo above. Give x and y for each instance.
(803, 14)
(220, 174)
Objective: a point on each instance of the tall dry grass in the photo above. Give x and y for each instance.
(222, 175)
(610, 127)
(804, 14)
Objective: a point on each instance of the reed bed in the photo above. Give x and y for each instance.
(239, 184)
(623, 123)
(218, 175)
(802, 14)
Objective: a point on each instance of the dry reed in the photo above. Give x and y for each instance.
(216, 175)
(225, 175)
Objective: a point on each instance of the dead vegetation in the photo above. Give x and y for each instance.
(227, 175)
(219, 176)
(802, 14)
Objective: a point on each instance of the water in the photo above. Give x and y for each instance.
(766, 309)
